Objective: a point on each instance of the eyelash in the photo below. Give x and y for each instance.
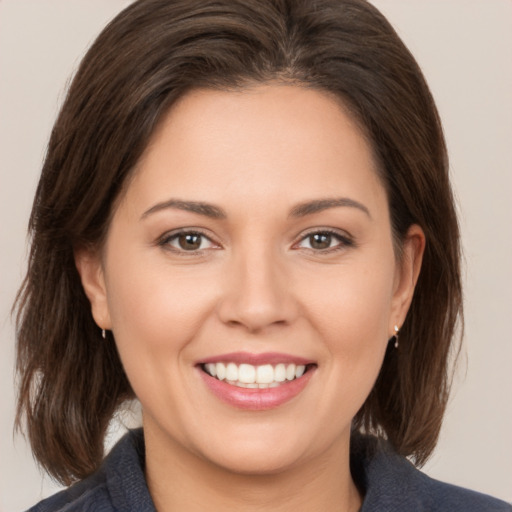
(344, 241)
(165, 241)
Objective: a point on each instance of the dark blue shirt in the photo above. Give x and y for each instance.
(389, 483)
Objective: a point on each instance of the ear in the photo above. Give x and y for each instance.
(407, 272)
(90, 268)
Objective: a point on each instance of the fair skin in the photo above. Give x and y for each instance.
(289, 255)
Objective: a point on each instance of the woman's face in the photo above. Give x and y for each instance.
(253, 244)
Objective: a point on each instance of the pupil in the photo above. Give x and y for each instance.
(320, 241)
(190, 242)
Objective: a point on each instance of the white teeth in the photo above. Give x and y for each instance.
(249, 376)
(280, 373)
(265, 374)
(299, 372)
(220, 371)
(232, 372)
(211, 369)
(247, 373)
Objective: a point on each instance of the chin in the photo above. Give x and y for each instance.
(258, 463)
(260, 451)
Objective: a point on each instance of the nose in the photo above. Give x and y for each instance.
(258, 293)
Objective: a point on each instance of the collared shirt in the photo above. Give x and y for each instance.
(389, 483)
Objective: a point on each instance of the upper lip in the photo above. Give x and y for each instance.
(257, 359)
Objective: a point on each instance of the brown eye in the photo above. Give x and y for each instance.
(320, 241)
(189, 241)
(325, 242)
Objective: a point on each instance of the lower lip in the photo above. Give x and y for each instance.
(256, 399)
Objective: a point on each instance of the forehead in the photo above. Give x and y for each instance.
(278, 141)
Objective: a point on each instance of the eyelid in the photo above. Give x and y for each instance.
(345, 239)
(164, 240)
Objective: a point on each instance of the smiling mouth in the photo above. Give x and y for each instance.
(256, 377)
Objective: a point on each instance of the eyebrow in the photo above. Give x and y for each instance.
(208, 210)
(214, 212)
(318, 205)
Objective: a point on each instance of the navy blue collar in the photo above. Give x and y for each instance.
(388, 482)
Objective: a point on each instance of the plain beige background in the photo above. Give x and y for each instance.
(465, 50)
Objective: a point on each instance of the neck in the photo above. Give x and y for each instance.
(181, 481)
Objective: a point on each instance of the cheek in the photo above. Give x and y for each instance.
(155, 313)
(353, 320)
(353, 305)
(155, 309)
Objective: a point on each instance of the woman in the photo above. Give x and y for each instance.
(251, 198)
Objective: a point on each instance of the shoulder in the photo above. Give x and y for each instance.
(119, 484)
(85, 496)
(446, 497)
(392, 484)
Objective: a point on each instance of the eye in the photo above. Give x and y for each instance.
(324, 241)
(187, 241)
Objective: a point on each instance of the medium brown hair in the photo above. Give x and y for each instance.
(71, 381)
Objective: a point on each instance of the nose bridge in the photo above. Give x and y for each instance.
(258, 294)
